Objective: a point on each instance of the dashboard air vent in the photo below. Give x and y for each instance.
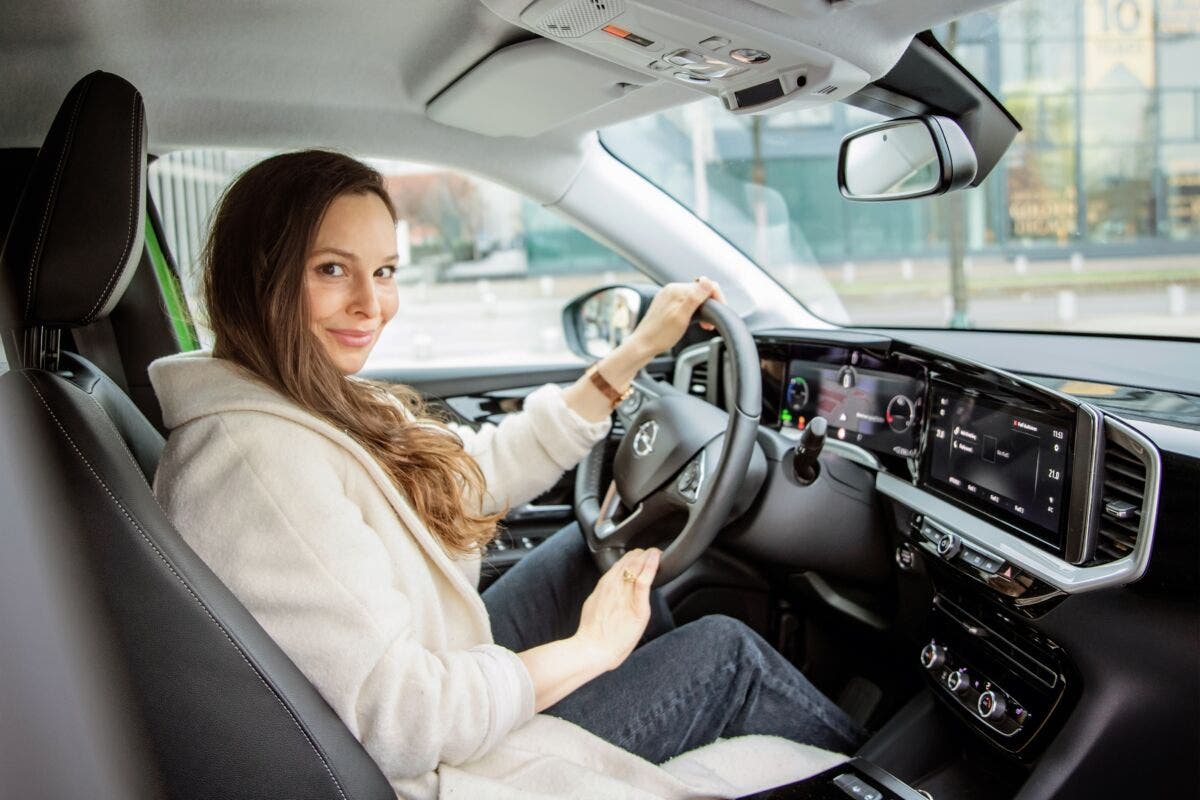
(698, 384)
(1122, 500)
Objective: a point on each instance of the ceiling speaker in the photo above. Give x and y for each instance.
(575, 18)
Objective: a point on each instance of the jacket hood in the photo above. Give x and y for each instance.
(194, 385)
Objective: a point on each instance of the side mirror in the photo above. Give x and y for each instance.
(905, 158)
(596, 322)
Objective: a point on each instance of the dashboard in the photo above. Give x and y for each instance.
(1019, 456)
(1024, 535)
(1009, 495)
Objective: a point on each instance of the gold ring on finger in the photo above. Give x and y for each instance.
(628, 576)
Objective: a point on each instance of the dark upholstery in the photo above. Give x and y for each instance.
(224, 712)
(77, 235)
(145, 443)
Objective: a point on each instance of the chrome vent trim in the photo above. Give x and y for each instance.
(1124, 481)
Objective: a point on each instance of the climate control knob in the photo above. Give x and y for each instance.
(991, 705)
(933, 656)
(958, 681)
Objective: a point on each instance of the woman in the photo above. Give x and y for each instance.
(351, 526)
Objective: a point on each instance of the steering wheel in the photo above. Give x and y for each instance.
(681, 464)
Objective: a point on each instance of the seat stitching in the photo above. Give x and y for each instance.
(129, 237)
(162, 557)
(112, 426)
(35, 262)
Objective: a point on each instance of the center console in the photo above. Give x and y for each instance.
(857, 779)
(1008, 496)
(998, 675)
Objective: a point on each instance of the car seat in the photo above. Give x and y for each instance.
(222, 711)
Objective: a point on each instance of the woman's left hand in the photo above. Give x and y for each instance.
(669, 315)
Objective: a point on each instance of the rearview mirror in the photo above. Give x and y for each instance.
(597, 322)
(905, 158)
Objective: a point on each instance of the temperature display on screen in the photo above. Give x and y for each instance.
(1000, 459)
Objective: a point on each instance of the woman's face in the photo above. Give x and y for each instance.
(349, 278)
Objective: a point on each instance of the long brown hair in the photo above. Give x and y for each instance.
(253, 286)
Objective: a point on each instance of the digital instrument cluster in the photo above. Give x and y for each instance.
(864, 404)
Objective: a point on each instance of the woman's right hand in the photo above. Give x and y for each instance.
(615, 615)
(612, 621)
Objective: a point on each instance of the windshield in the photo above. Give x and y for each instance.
(1091, 222)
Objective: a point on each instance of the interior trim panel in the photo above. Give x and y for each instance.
(1054, 571)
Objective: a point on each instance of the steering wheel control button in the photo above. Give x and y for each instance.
(958, 681)
(948, 545)
(991, 705)
(933, 656)
(691, 479)
(854, 786)
(630, 404)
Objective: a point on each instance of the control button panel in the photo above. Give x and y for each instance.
(854, 786)
(980, 696)
(952, 548)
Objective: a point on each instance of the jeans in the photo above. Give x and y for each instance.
(681, 687)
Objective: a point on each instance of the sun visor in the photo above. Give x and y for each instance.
(528, 88)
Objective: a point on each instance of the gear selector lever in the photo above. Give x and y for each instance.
(804, 457)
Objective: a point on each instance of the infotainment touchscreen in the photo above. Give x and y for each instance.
(1002, 460)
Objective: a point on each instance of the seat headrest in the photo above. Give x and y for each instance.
(77, 234)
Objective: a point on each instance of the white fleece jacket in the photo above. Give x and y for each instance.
(307, 530)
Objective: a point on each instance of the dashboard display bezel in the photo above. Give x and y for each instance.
(996, 386)
(1053, 539)
(865, 355)
(1074, 543)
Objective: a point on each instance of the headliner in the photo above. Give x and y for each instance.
(350, 74)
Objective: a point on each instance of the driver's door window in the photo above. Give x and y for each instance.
(484, 272)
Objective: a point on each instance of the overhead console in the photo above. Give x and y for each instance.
(715, 52)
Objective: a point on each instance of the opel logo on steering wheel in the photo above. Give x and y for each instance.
(643, 440)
